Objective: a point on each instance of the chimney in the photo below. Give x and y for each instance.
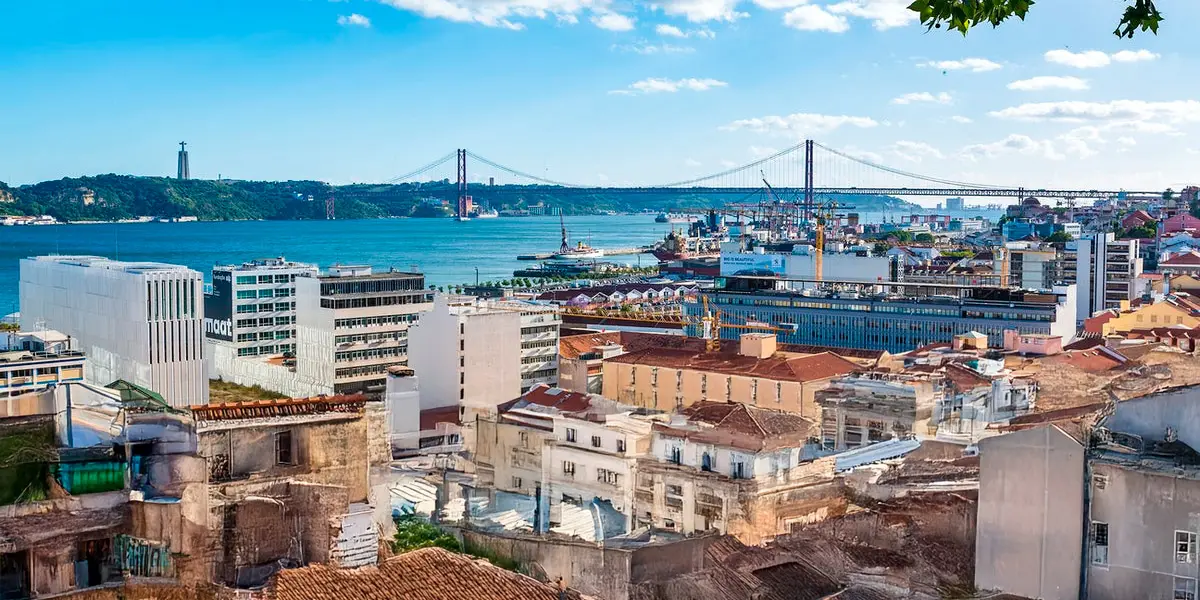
(758, 345)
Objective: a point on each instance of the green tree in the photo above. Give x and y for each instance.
(1059, 237)
(881, 248)
(1145, 232)
(962, 15)
(413, 533)
(926, 238)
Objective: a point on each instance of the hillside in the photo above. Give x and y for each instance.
(111, 197)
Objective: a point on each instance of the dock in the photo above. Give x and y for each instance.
(607, 253)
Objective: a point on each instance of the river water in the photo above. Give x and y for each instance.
(448, 252)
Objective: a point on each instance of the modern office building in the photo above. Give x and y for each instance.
(1103, 269)
(889, 316)
(138, 321)
(352, 324)
(252, 306)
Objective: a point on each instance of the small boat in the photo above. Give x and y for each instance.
(462, 219)
(489, 213)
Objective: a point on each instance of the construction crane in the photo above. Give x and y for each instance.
(711, 324)
(822, 214)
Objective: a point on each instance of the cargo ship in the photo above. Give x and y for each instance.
(672, 218)
(678, 246)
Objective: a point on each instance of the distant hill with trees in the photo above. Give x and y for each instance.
(113, 197)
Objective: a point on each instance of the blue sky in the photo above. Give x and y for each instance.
(592, 91)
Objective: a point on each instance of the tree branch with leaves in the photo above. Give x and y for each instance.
(962, 15)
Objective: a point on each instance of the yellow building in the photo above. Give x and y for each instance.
(1176, 310)
(669, 379)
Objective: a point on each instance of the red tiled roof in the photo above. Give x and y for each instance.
(965, 378)
(1190, 258)
(780, 367)
(545, 395)
(1095, 325)
(425, 574)
(1178, 333)
(1085, 343)
(571, 347)
(742, 426)
(1093, 361)
(430, 418)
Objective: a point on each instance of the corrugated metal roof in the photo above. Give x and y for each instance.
(874, 453)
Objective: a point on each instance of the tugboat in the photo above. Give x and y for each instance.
(581, 250)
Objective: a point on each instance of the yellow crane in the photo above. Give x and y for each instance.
(711, 324)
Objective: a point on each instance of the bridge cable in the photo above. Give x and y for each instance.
(429, 167)
(692, 182)
(517, 173)
(903, 173)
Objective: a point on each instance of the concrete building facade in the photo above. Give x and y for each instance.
(1030, 515)
(352, 325)
(141, 322)
(857, 411)
(467, 355)
(1103, 269)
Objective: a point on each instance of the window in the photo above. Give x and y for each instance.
(1099, 543)
(516, 482)
(739, 470)
(620, 445)
(568, 468)
(246, 295)
(609, 477)
(246, 280)
(675, 455)
(524, 439)
(595, 441)
(266, 293)
(1099, 482)
(728, 388)
(1185, 588)
(675, 490)
(570, 434)
(265, 278)
(283, 448)
(1185, 547)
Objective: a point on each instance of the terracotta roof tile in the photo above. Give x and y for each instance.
(780, 367)
(572, 346)
(1093, 361)
(426, 574)
(742, 426)
(1189, 258)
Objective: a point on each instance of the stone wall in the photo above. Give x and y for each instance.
(606, 573)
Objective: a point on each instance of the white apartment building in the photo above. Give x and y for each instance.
(467, 355)
(138, 321)
(540, 324)
(252, 306)
(595, 458)
(33, 361)
(1104, 271)
(352, 325)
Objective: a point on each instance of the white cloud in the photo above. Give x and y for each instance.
(353, 20)
(655, 85)
(961, 119)
(701, 11)
(1127, 56)
(1015, 143)
(728, 164)
(669, 31)
(975, 65)
(799, 124)
(1094, 59)
(666, 30)
(762, 151)
(692, 163)
(1147, 112)
(612, 21)
(814, 18)
(644, 47)
(915, 151)
(911, 97)
(1126, 141)
(510, 14)
(1049, 82)
(883, 14)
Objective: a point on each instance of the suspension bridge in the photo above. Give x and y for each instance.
(802, 171)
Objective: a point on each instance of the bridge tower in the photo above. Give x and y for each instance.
(464, 201)
(809, 207)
